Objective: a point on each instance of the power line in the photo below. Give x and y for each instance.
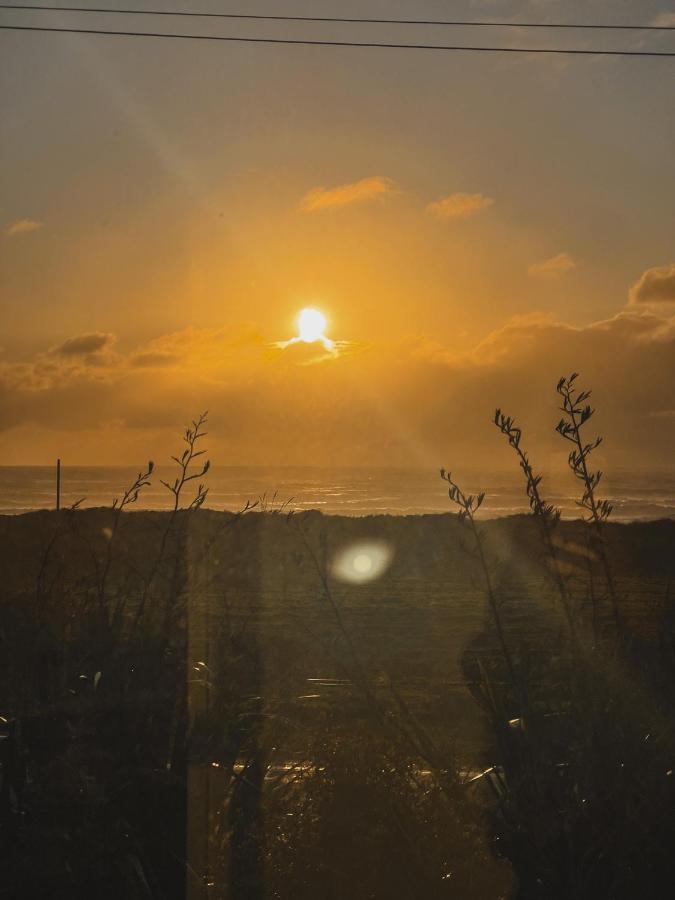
(317, 43)
(342, 19)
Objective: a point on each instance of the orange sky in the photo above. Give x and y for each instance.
(473, 228)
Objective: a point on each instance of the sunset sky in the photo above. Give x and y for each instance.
(473, 226)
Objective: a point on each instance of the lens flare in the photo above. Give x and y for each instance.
(362, 562)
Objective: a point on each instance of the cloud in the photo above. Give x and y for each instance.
(655, 285)
(154, 359)
(553, 267)
(413, 402)
(22, 226)
(205, 350)
(459, 206)
(82, 359)
(85, 344)
(346, 194)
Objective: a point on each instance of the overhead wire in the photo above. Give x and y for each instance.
(262, 17)
(575, 51)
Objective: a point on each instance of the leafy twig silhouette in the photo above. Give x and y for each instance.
(189, 455)
(132, 493)
(546, 513)
(576, 413)
(191, 437)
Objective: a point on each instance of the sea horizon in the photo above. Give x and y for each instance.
(336, 490)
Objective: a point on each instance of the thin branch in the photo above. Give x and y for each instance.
(576, 413)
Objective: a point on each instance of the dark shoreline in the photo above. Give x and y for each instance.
(251, 652)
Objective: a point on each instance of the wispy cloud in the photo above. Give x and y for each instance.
(655, 285)
(22, 226)
(553, 267)
(459, 206)
(346, 194)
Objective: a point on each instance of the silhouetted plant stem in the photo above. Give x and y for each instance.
(468, 507)
(191, 437)
(592, 595)
(598, 510)
(130, 496)
(547, 514)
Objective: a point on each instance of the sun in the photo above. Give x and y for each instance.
(312, 326)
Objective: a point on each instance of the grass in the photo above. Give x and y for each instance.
(585, 788)
(192, 702)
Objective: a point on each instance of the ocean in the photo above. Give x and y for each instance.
(342, 491)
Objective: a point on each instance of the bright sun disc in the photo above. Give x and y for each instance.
(311, 325)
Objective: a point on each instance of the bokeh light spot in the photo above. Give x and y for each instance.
(362, 562)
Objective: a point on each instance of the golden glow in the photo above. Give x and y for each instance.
(362, 562)
(311, 325)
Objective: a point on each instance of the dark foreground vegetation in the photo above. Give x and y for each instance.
(196, 704)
